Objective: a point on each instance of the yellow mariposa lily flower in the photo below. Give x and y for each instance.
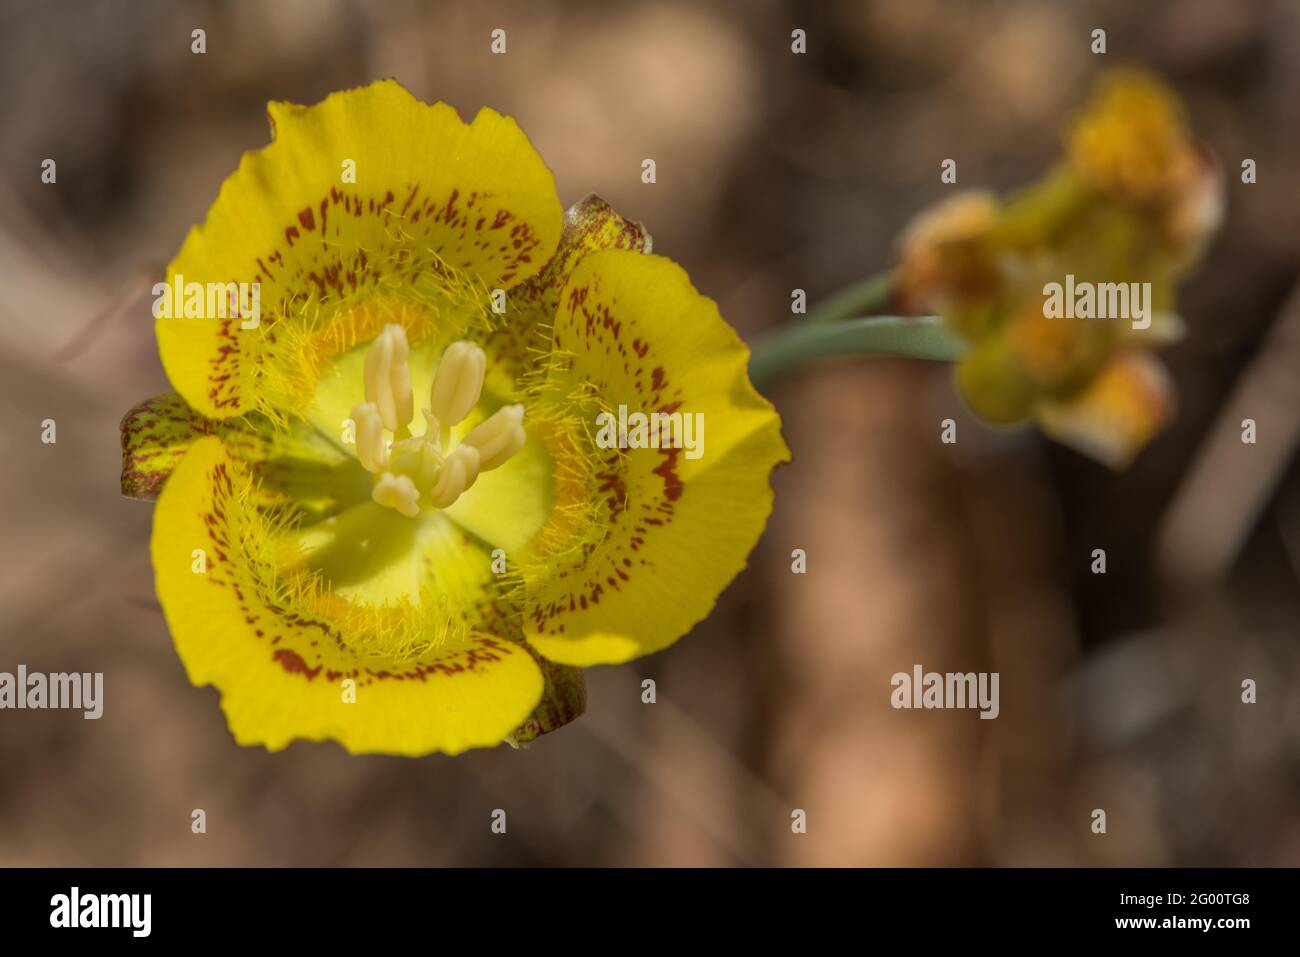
(384, 515)
(1122, 216)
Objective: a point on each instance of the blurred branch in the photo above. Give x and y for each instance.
(668, 770)
(128, 293)
(1230, 482)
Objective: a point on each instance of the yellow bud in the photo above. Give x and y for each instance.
(944, 253)
(993, 384)
(1131, 141)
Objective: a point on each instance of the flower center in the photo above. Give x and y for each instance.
(414, 472)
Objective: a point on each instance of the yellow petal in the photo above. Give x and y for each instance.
(1117, 414)
(440, 213)
(282, 673)
(992, 382)
(675, 525)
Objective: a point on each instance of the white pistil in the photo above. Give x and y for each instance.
(430, 452)
(399, 492)
(416, 469)
(388, 380)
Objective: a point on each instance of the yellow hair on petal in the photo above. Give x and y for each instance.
(459, 308)
(378, 635)
(397, 633)
(561, 415)
(440, 210)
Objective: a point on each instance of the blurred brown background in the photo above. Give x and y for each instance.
(775, 171)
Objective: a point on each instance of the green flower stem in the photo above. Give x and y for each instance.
(869, 297)
(921, 338)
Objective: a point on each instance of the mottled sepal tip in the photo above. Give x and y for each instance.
(156, 434)
(590, 226)
(563, 700)
(592, 223)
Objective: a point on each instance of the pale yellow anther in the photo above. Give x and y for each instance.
(458, 382)
(372, 447)
(459, 471)
(497, 437)
(399, 492)
(411, 469)
(388, 380)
